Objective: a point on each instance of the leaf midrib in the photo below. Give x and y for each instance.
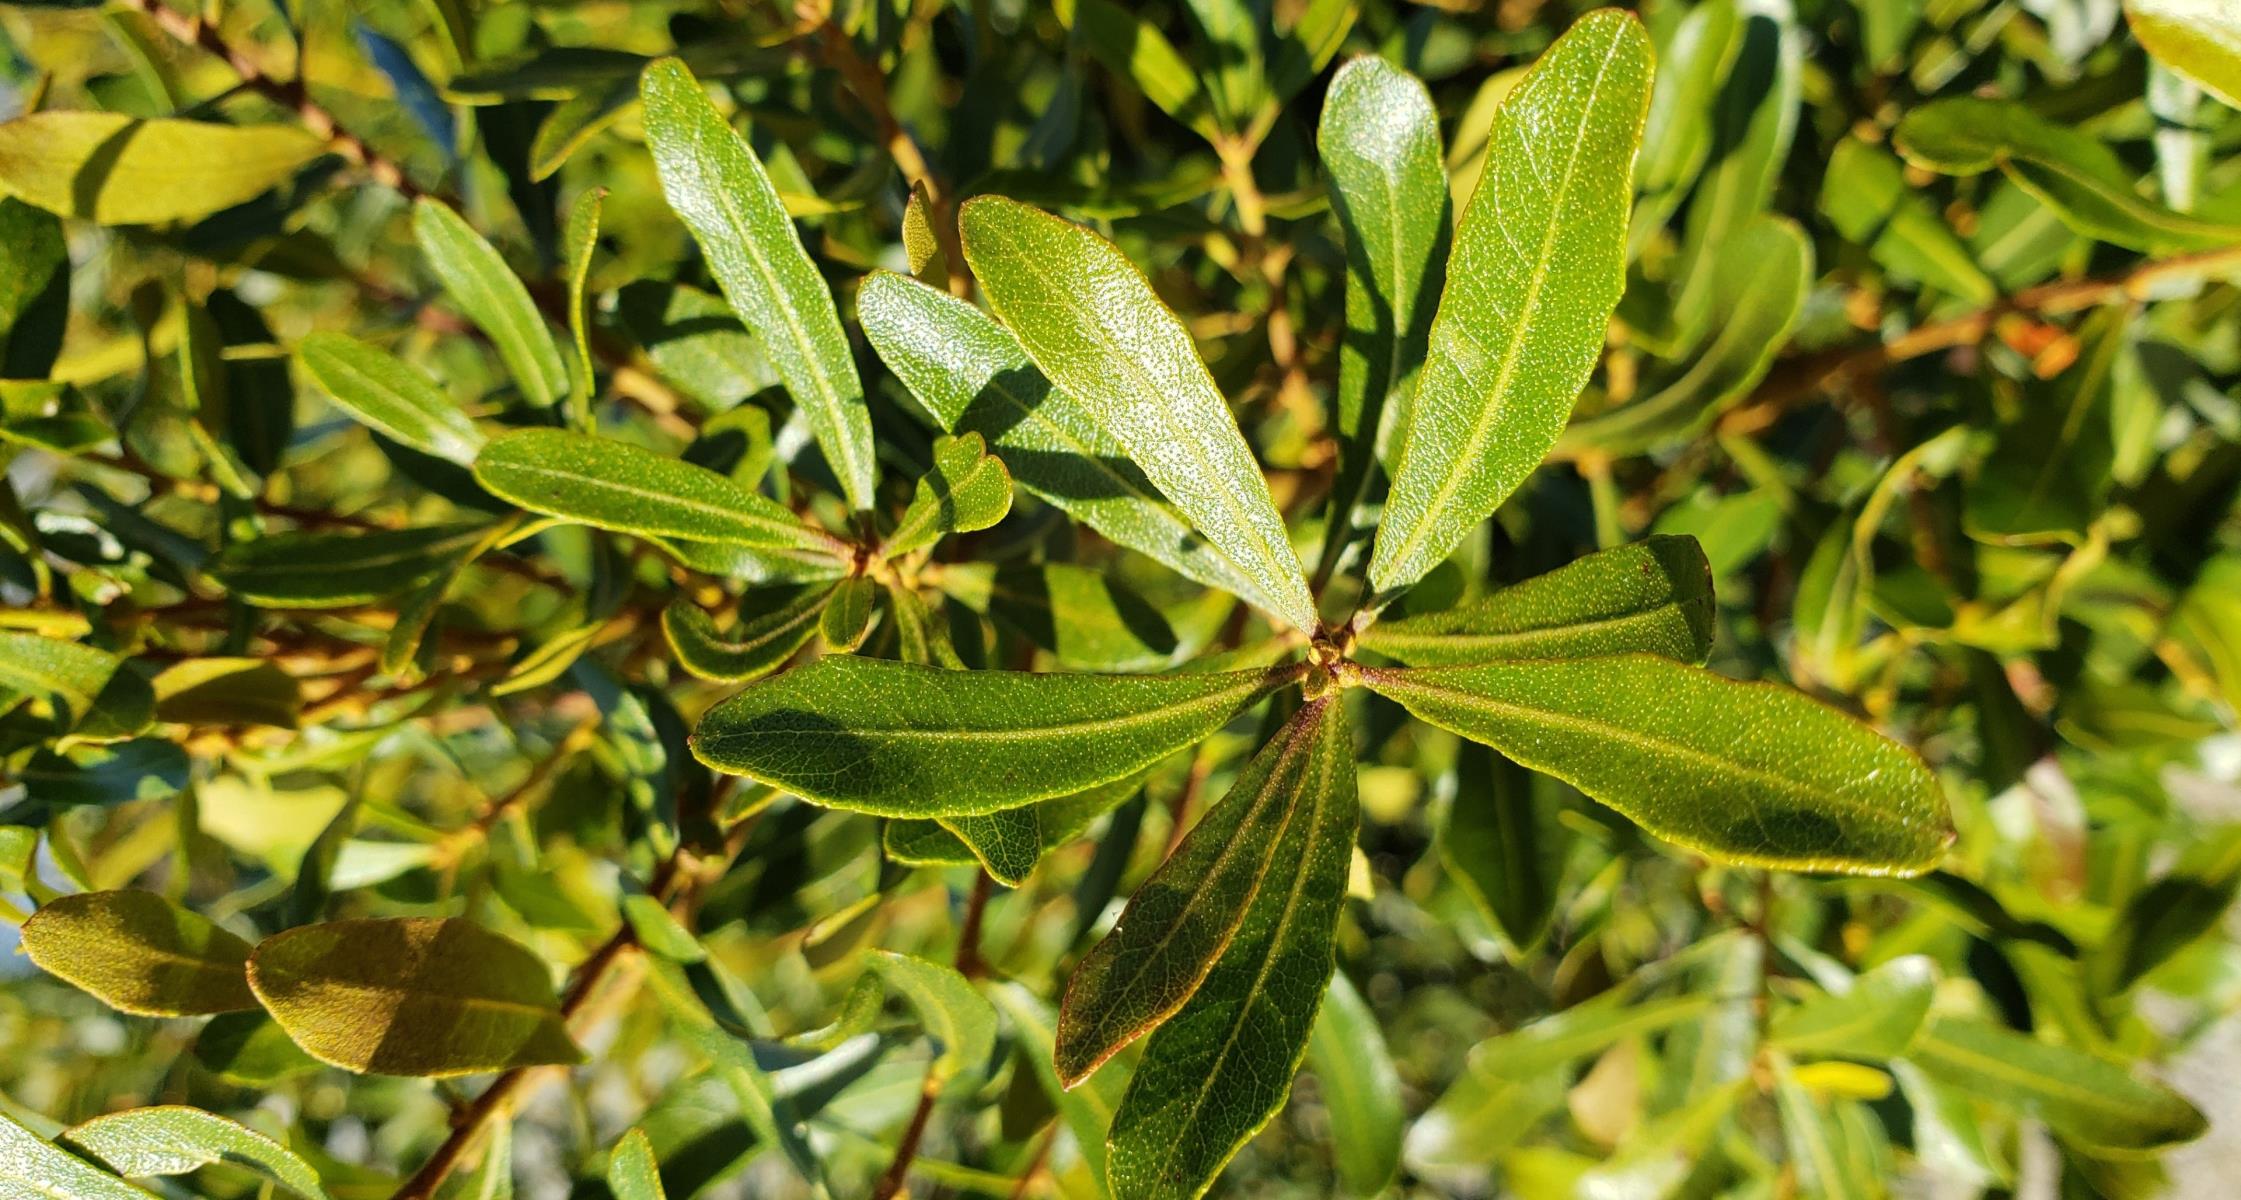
(1399, 635)
(1488, 413)
(804, 538)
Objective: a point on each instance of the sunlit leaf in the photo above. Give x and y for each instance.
(2200, 39)
(478, 280)
(33, 1169)
(631, 1170)
(114, 169)
(139, 953)
(967, 490)
(956, 1015)
(390, 396)
(176, 1140)
(1654, 596)
(2082, 1097)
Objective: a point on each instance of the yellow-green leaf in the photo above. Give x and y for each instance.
(1091, 322)
(33, 1169)
(478, 280)
(2200, 39)
(632, 1173)
(140, 953)
(411, 996)
(957, 1016)
(1653, 596)
(2083, 1098)
(390, 395)
(174, 1139)
(722, 193)
(968, 489)
(1538, 265)
(113, 169)
(1745, 772)
(1360, 1086)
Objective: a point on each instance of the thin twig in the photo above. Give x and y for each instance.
(870, 89)
(969, 964)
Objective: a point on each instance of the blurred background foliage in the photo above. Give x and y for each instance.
(1962, 448)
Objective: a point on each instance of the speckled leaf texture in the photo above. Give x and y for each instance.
(411, 996)
(173, 1139)
(968, 489)
(1380, 144)
(632, 1173)
(1538, 265)
(492, 296)
(1218, 1069)
(615, 485)
(719, 189)
(1654, 596)
(1744, 772)
(970, 375)
(389, 395)
(34, 1169)
(1091, 322)
(1181, 918)
(140, 953)
(903, 740)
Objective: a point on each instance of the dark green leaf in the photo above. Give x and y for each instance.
(1501, 840)
(142, 769)
(773, 624)
(1654, 596)
(848, 614)
(339, 570)
(1359, 1086)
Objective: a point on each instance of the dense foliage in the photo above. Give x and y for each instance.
(1286, 596)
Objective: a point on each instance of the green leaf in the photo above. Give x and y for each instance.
(721, 191)
(2083, 1098)
(774, 622)
(113, 169)
(337, 570)
(902, 740)
(1830, 1163)
(34, 289)
(489, 293)
(1758, 287)
(1653, 596)
(250, 1048)
(139, 953)
(971, 376)
(1088, 1108)
(1087, 619)
(957, 1016)
(173, 1139)
(228, 691)
(1380, 143)
(958, 841)
(204, 396)
(968, 489)
(632, 1173)
(1230, 33)
(1090, 321)
(659, 930)
(411, 996)
(1134, 49)
(1867, 198)
(388, 394)
(1359, 1086)
(68, 675)
(142, 769)
(2049, 474)
(1677, 133)
(1876, 1019)
(1501, 840)
(32, 1169)
(616, 485)
(1753, 122)
(2079, 177)
(2200, 39)
(1184, 916)
(695, 342)
(1745, 772)
(1538, 265)
(581, 238)
(50, 416)
(847, 619)
(1222, 1066)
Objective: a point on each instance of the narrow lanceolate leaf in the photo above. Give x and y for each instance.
(1091, 322)
(336, 570)
(34, 1169)
(1221, 1067)
(957, 1016)
(2068, 170)
(968, 489)
(113, 169)
(1829, 1163)
(720, 190)
(1182, 918)
(1867, 198)
(1876, 1019)
(1360, 1086)
(1380, 142)
(2083, 1098)
(1758, 286)
(1502, 841)
(957, 841)
(1088, 1109)
(579, 240)
(140, 953)
(173, 1139)
(1744, 772)
(389, 395)
(1538, 265)
(971, 376)
(902, 740)
(632, 1173)
(1654, 596)
(2200, 39)
(489, 293)
(411, 996)
(774, 622)
(615, 485)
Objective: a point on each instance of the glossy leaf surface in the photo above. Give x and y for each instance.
(1654, 597)
(478, 280)
(615, 485)
(389, 395)
(967, 490)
